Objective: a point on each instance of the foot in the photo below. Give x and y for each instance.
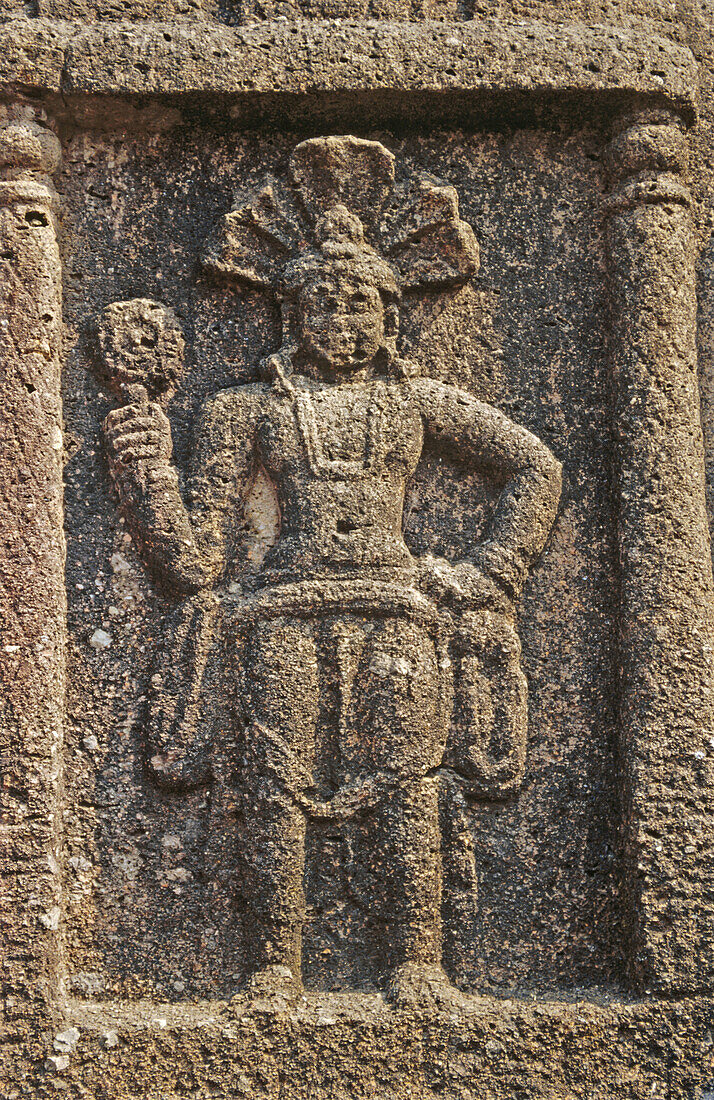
(273, 989)
(423, 986)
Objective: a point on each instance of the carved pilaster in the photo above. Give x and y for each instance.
(666, 698)
(32, 588)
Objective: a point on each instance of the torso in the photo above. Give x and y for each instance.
(340, 457)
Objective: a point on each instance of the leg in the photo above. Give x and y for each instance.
(397, 730)
(407, 827)
(281, 704)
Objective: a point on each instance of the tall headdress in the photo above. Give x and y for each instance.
(344, 208)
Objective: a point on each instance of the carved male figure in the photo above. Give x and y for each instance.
(339, 424)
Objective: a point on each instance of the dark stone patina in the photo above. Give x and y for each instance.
(346, 750)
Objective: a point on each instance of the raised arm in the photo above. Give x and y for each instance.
(483, 438)
(185, 544)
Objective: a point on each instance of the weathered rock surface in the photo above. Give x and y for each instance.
(356, 603)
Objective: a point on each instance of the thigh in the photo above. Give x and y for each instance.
(395, 722)
(281, 694)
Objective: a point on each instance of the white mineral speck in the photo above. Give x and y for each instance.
(79, 863)
(50, 919)
(56, 1062)
(119, 563)
(65, 1041)
(100, 640)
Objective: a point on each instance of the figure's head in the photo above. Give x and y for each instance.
(344, 299)
(339, 295)
(141, 342)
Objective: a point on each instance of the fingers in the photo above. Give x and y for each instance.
(132, 430)
(128, 413)
(136, 432)
(142, 444)
(117, 416)
(461, 584)
(132, 426)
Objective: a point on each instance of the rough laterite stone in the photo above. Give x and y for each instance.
(356, 635)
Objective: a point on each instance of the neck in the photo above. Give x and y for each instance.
(318, 372)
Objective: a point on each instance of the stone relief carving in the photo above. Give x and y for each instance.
(420, 658)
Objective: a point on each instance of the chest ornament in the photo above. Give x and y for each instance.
(339, 469)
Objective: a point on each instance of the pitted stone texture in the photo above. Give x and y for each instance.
(343, 639)
(505, 348)
(32, 587)
(478, 57)
(358, 1049)
(548, 908)
(667, 632)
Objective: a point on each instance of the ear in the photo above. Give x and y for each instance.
(391, 331)
(290, 319)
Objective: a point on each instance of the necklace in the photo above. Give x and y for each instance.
(343, 469)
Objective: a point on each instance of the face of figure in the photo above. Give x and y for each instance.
(342, 322)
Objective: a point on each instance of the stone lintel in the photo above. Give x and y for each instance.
(302, 58)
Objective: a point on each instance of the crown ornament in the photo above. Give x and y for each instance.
(344, 207)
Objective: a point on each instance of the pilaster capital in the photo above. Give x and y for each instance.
(29, 154)
(647, 162)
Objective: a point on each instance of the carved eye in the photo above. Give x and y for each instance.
(323, 297)
(360, 302)
(325, 303)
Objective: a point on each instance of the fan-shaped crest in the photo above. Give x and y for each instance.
(355, 173)
(416, 227)
(254, 240)
(426, 240)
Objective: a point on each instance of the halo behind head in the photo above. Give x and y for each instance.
(415, 224)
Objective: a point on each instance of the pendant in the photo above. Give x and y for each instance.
(335, 468)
